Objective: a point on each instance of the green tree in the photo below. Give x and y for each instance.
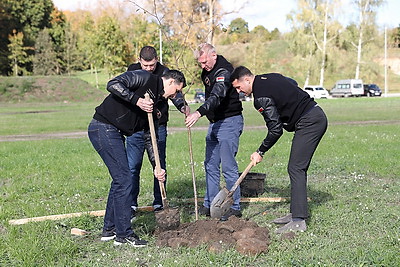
(57, 30)
(45, 59)
(18, 55)
(260, 33)
(26, 16)
(314, 19)
(366, 21)
(111, 45)
(239, 26)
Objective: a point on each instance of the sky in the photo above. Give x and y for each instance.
(269, 13)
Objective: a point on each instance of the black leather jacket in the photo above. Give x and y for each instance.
(162, 105)
(119, 107)
(222, 100)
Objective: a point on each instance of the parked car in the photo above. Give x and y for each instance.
(316, 91)
(243, 97)
(349, 87)
(199, 97)
(372, 89)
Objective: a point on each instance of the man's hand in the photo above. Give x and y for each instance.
(255, 158)
(185, 110)
(145, 105)
(192, 119)
(160, 176)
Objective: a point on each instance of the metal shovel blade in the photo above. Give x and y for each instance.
(221, 204)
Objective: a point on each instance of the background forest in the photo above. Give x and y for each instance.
(38, 39)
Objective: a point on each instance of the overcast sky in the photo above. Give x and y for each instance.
(270, 14)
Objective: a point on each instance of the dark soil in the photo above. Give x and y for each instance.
(245, 236)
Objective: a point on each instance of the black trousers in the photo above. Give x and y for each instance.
(309, 130)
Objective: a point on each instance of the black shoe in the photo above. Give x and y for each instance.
(231, 212)
(132, 240)
(204, 211)
(158, 208)
(108, 235)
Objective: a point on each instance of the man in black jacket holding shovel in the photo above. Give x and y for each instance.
(122, 113)
(285, 106)
(135, 144)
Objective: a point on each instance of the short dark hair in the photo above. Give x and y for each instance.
(148, 53)
(176, 75)
(239, 73)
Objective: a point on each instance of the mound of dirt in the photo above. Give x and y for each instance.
(246, 236)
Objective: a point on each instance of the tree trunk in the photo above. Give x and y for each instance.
(210, 35)
(324, 44)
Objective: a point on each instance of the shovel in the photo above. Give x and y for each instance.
(224, 199)
(168, 218)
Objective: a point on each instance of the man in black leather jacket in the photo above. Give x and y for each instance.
(224, 111)
(135, 144)
(285, 106)
(122, 113)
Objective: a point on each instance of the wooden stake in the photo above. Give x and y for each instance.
(96, 213)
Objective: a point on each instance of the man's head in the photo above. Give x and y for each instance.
(148, 58)
(242, 80)
(173, 81)
(206, 55)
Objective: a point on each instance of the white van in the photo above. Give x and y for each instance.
(349, 87)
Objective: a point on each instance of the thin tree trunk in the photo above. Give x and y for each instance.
(324, 44)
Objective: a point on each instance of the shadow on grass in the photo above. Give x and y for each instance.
(316, 197)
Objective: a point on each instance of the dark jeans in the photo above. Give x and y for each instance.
(135, 146)
(308, 133)
(110, 144)
(222, 143)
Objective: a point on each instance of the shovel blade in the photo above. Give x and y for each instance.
(220, 204)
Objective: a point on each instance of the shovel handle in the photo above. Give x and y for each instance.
(155, 148)
(241, 177)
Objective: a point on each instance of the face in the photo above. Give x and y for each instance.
(171, 88)
(207, 61)
(149, 66)
(243, 85)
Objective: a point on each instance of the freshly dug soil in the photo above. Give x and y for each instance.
(246, 236)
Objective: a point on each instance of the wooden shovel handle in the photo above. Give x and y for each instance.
(155, 148)
(241, 177)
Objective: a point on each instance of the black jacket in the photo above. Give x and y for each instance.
(281, 102)
(162, 104)
(222, 100)
(119, 107)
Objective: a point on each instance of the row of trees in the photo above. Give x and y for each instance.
(36, 38)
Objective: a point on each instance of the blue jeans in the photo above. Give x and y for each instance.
(222, 143)
(135, 146)
(109, 142)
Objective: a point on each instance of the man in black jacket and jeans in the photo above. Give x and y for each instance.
(224, 111)
(136, 145)
(285, 106)
(122, 113)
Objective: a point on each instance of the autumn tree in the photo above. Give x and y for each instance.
(366, 21)
(314, 29)
(18, 53)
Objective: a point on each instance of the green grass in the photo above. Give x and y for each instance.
(353, 186)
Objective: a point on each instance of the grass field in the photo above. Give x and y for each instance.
(354, 188)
